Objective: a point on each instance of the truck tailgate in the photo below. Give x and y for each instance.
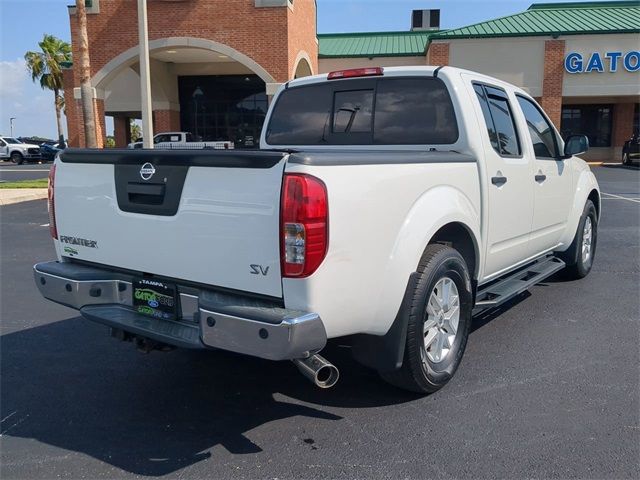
(210, 217)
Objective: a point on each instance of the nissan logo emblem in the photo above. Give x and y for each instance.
(147, 171)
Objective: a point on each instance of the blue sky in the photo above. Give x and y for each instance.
(23, 22)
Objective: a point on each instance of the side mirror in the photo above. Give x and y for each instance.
(575, 145)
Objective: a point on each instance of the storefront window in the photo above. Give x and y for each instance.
(223, 107)
(594, 121)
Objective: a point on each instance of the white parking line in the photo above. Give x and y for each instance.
(618, 197)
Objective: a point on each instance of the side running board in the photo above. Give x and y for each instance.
(499, 291)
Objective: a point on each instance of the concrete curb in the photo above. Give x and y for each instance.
(9, 196)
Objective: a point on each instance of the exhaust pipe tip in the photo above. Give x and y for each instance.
(319, 370)
(327, 376)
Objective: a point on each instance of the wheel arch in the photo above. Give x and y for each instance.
(586, 188)
(594, 196)
(458, 236)
(441, 214)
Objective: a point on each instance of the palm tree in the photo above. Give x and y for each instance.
(136, 131)
(46, 67)
(86, 97)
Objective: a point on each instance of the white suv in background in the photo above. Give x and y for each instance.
(13, 149)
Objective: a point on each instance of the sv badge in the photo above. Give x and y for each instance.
(258, 269)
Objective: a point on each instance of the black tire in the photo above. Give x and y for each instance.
(625, 159)
(418, 372)
(577, 265)
(16, 157)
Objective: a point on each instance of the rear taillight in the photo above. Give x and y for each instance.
(52, 205)
(304, 225)
(356, 72)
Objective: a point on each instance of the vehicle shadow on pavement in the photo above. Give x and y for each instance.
(69, 385)
(483, 318)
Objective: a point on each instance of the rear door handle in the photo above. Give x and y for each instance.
(540, 177)
(499, 180)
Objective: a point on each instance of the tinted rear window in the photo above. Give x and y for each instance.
(383, 111)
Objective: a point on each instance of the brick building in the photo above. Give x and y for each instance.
(214, 63)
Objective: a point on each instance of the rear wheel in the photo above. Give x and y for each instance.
(16, 157)
(579, 257)
(625, 159)
(438, 322)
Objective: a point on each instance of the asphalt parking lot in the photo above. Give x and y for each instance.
(10, 172)
(549, 387)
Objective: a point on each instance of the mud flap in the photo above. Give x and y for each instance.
(385, 353)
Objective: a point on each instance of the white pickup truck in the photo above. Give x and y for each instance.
(386, 206)
(183, 141)
(17, 151)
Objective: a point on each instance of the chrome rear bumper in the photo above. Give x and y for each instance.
(205, 319)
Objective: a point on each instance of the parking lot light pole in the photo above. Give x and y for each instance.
(11, 124)
(145, 79)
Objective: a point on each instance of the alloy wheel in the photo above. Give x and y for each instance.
(443, 317)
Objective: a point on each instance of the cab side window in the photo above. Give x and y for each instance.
(499, 119)
(542, 134)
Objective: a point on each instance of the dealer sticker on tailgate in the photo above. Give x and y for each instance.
(153, 298)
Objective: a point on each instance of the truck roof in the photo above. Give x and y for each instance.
(427, 70)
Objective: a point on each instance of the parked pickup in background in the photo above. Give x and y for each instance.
(385, 207)
(18, 152)
(183, 141)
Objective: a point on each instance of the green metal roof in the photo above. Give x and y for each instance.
(372, 44)
(556, 19)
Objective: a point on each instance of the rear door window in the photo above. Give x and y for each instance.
(382, 111)
(486, 113)
(503, 135)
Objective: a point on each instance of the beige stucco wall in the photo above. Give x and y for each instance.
(217, 68)
(519, 61)
(122, 94)
(621, 82)
(326, 65)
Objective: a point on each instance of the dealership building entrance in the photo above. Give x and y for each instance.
(216, 63)
(223, 107)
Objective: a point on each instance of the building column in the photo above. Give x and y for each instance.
(551, 100)
(271, 89)
(101, 128)
(71, 109)
(438, 54)
(622, 123)
(622, 128)
(166, 121)
(121, 131)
